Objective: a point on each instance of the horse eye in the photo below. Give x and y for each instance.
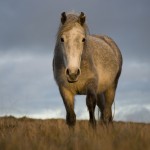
(83, 40)
(62, 39)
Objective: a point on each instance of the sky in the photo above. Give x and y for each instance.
(27, 39)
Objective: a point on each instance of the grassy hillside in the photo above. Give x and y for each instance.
(31, 134)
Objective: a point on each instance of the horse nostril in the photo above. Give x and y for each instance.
(67, 71)
(78, 72)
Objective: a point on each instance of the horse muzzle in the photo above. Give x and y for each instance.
(72, 74)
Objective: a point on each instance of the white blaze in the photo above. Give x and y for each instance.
(73, 47)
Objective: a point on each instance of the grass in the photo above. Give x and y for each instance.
(53, 134)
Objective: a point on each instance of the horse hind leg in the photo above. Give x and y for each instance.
(109, 95)
(109, 99)
(101, 104)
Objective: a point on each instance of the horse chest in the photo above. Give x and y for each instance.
(78, 88)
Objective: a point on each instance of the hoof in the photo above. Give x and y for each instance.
(71, 120)
(93, 123)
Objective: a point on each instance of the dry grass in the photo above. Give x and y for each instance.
(31, 134)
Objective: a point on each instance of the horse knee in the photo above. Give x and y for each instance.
(91, 102)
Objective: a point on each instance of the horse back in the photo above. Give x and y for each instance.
(107, 47)
(111, 43)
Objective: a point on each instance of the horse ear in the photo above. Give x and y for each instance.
(63, 17)
(82, 18)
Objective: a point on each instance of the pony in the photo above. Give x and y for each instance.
(85, 64)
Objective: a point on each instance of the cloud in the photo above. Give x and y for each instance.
(135, 113)
(134, 82)
(26, 82)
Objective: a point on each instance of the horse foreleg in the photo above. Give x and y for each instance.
(68, 99)
(91, 103)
